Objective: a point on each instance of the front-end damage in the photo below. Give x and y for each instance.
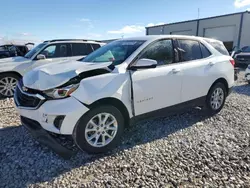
(44, 121)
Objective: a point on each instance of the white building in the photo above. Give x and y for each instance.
(232, 29)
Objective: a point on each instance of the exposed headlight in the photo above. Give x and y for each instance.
(63, 92)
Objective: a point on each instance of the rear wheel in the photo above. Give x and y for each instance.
(99, 130)
(8, 84)
(216, 98)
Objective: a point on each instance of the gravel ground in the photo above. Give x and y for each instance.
(185, 150)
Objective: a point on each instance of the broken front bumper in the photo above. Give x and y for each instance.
(46, 138)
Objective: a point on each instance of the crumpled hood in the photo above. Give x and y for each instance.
(53, 75)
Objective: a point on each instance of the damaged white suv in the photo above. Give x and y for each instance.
(94, 99)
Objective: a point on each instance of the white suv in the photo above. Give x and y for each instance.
(93, 100)
(12, 69)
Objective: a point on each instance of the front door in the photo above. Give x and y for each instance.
(158, 87)
(53, 52)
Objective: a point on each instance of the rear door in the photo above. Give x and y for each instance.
(197, 61)
(80, 50)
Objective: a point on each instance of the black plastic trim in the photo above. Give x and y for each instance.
(43, 137)
(230, 90)
(170, 110)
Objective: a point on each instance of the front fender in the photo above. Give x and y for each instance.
(115, 85)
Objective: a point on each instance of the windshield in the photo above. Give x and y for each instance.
(117, 52)
(35, 50)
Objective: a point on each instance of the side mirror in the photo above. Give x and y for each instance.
(40, 56)
(144, 64)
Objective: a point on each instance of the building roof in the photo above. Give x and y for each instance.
(199, 19)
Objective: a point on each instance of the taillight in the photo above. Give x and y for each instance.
(232, 62)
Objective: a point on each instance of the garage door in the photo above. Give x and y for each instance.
(224, 34)
(185, 32)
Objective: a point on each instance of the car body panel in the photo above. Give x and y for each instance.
(167, 83)
(199, 75)
(111, 85)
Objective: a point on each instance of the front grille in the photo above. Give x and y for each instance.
(27, 100)
(243, 57)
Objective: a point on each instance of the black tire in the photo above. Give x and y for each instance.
(209, 107)
(9, 75)
(79, 130)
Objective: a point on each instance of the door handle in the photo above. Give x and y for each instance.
(211, 63)
(175, 71)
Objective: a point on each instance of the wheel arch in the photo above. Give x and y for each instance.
(220, 80)
(11, 72)
(116, 103)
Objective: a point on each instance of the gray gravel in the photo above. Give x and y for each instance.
(185, 150)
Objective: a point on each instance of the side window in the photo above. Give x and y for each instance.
(49, 52)
(161, 51)
(56, 51)
(190, 50)
(95, 46)
(205, 52)
(12, 48)
(81, 49)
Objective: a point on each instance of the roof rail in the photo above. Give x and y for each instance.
(58, 40)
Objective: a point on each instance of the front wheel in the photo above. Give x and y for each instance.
(8, 84)
(99, 130)
(216, 98)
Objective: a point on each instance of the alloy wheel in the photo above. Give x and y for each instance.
(217, 98)
(101, 130)
(7, 86)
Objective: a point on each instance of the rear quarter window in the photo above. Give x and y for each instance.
(219, 47)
